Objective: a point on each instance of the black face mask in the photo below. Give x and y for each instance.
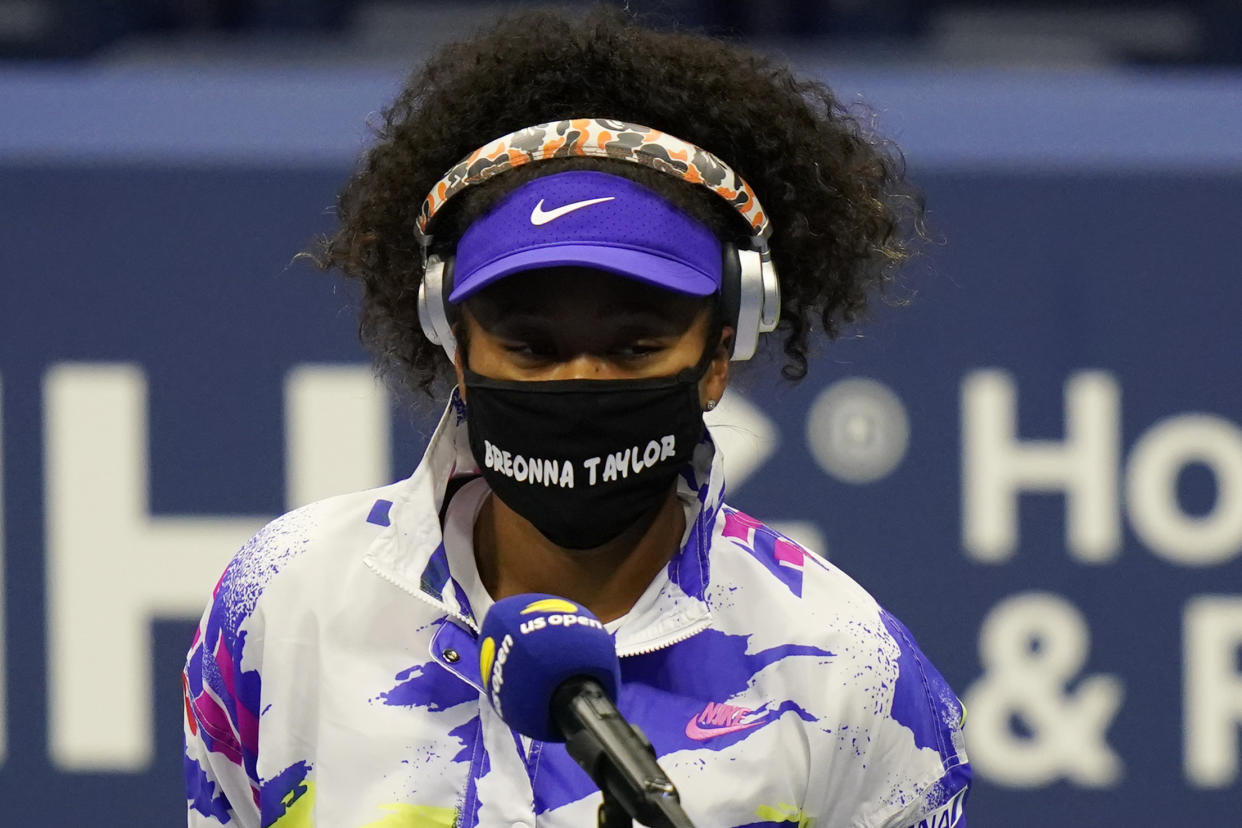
(583, 460)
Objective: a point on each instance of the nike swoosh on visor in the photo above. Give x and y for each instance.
(539, 216)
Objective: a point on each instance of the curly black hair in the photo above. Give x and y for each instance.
(841, 210)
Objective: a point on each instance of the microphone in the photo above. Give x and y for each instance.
(551, 671)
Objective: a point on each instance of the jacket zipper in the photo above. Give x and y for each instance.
(691, 631)
(434, 602)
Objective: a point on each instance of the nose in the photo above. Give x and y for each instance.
(583, 366)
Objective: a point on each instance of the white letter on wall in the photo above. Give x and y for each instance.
(112, 567)
(1212, 689)
(337, 432)
(997, 466)
(1151, 489)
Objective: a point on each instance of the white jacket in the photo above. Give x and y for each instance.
(334, 681)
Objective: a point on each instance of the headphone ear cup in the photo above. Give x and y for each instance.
(749, 303)
(433, 293)
(770, 313)
(730, 289)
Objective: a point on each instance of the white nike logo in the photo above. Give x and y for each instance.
(539, 216)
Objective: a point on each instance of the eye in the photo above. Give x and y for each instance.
(529, 348)
(639, 350)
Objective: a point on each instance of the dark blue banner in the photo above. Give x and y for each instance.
(1036, 464)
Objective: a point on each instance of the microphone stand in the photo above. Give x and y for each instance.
(633, 785)
(612, 815)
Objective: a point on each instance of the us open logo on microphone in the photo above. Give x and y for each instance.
(568, 616)
(559, 620)
(492, 666)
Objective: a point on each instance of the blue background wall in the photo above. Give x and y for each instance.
(1090, 230)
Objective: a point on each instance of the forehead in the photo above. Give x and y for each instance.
(573, 295)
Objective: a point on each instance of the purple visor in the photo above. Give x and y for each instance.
(588, 219)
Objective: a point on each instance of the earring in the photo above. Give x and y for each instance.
(710, 405)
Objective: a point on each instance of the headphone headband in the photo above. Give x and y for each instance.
(750, 287)
(597, 138)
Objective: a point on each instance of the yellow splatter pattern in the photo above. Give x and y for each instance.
(784, 812)
(401, 815)
(299, 809)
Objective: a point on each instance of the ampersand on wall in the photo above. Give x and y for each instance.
(1032, 645)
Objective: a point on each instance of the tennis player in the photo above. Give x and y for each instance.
(578, 225)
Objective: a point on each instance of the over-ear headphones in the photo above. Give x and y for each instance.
(749, 291)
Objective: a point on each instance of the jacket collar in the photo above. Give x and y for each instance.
(410, 551)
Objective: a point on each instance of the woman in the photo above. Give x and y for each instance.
(617, 206)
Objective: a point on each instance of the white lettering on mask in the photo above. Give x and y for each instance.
(533, 470)
(636, 459)
(547, 471)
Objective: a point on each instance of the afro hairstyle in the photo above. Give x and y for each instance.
(844, 218)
